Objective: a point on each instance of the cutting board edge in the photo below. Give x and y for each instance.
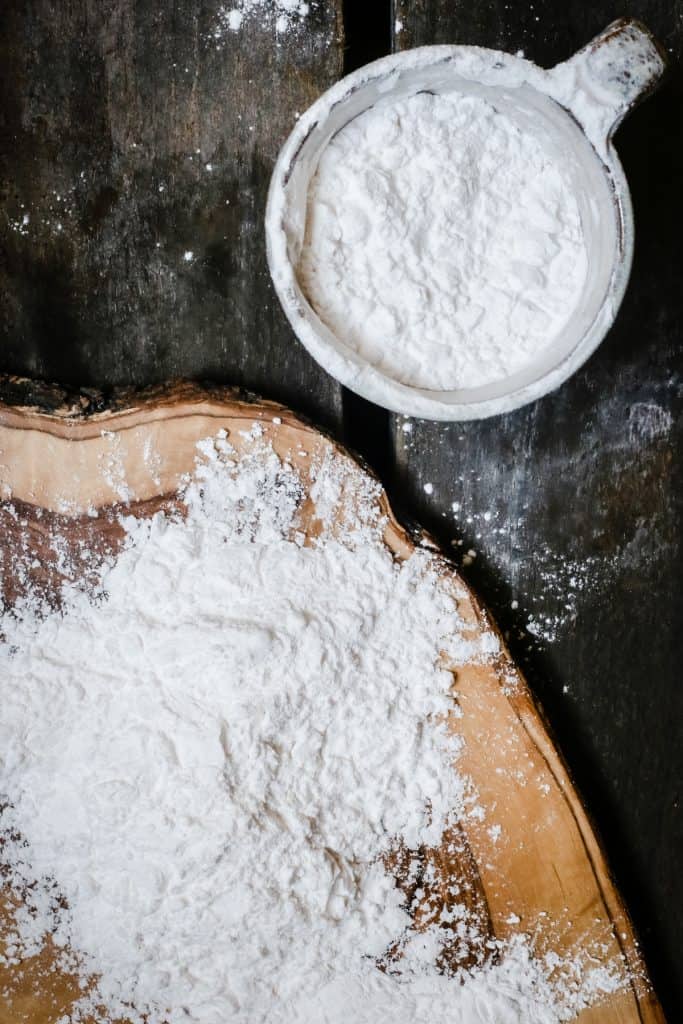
(76, 415)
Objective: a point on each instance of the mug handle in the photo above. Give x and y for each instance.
(605, 79)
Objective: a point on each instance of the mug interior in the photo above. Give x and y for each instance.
(565, 142)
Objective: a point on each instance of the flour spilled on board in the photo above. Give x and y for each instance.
(224, 775)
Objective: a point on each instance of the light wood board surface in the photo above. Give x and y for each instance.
(546, 875)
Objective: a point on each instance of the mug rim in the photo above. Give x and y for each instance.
(350, 368)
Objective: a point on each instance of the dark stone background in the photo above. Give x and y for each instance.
(110, 112)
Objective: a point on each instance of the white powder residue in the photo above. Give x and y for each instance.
(648, 422)
(283, 14)
(443, 244)
(152, 460)
(560, 583)
(204, 769)
(556, 584)
(112, 466)
(20, 224)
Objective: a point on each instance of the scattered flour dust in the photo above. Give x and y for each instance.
(558, 585)
(284, 14)
(205, 766)
(443, 244)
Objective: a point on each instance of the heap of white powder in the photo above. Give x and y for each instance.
(204, 765)
(443, 244)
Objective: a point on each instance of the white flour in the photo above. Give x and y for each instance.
(283, 14)
(209, 761)
(442, 243)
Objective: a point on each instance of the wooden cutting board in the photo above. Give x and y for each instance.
(545, 875)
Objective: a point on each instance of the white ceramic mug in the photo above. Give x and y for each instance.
(574, 107)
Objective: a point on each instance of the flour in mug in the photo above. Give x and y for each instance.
(443, 244)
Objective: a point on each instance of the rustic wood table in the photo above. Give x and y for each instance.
(137, 140)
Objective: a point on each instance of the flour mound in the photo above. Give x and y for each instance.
(443, 244)
(205, 766)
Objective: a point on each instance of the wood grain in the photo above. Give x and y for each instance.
(545, 876)
(135, 133)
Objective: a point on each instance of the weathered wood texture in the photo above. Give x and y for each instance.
(136, 148)
(544, 875)
(573, 504)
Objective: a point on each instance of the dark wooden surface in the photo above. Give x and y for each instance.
(110, 112)
(134, 133)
